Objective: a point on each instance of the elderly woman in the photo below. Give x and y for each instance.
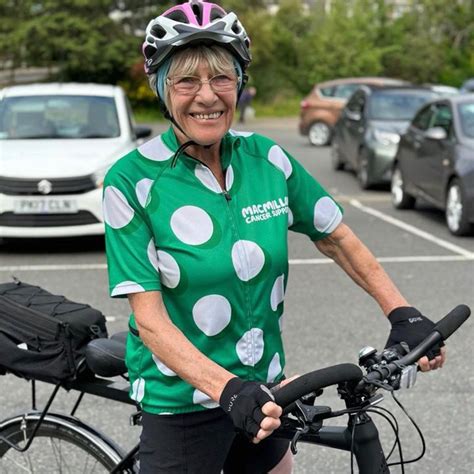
(196, 229)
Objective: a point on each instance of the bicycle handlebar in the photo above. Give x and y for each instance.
(318, 379)
(315, 381)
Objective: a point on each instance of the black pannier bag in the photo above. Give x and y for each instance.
(44, 336)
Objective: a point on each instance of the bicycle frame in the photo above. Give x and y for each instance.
(366, 445)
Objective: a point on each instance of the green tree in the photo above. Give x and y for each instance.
(82, 40)
(345, 43)
(432, 42)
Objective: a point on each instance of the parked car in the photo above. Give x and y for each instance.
(367, 134)
(56, 143)
(467, 86)
(321, 108)
(443, 90)
(435, 161)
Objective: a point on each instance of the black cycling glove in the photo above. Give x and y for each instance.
(410, 326)
(243, 401)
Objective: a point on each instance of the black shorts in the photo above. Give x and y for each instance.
(203, 442)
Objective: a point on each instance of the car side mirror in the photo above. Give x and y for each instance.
(142, 132)
(355, 116)
(436, 133)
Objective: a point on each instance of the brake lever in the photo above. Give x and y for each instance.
(299, 432)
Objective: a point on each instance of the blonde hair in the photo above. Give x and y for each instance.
(187, 61)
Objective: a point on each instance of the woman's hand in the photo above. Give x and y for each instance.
(437, 362)
(411, 327)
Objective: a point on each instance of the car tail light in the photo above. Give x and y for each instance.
(304, 104)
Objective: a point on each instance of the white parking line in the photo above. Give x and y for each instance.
(407, 259)
(47, 268)
(292, 261)
(412, 229)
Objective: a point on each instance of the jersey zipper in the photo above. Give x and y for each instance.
(248, 309)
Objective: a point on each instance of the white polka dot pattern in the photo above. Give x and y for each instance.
(278, 292)
(274, 369)
(229, 178)
(290, 218)
(239, 133)
(126, 287)
(248, 259)
(250, 347)
(169, 269)
(117, 211)
(151, 252)
(204, 174)
(192, 225)
(277, 156)
(138, 390)
(212, 314)
(142, 189)
(155, 150)
(162, 367)
(327, 216)
(200, 398)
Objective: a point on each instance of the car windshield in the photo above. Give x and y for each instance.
(63, 116)
(397, 104)
(466, 115)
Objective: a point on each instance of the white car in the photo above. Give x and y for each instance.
(56, 143)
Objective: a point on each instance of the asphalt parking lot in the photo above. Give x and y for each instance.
(327, 318)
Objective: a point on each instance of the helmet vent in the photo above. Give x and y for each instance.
(197, 10)
(179, 16)
(216, 13)
(236, 27)
(158, 31)
(149, 51)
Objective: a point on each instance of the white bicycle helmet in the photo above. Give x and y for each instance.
(190, 23)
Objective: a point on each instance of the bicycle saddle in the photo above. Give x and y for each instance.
(106, 357)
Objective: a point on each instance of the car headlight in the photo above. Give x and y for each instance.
(385, 138)
(99, 175)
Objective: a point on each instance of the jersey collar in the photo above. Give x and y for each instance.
(229, 144)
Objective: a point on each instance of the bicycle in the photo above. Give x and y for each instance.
(302, 420)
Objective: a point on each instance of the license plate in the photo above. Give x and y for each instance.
(45, 206)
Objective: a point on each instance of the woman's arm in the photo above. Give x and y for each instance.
(172, 347)
(359, 263)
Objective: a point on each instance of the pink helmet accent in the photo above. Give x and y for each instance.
(190, 23)
(205, 13)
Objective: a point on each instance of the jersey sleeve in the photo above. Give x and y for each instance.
(312, 210)
(130, 248)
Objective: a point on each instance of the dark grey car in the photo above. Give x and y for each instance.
(367, 134)
(435, 161)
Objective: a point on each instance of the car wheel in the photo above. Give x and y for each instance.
(456, 212)
(400, 198)
(319, 134)
(363, 175)
(336, 158)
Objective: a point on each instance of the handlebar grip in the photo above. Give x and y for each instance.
(442, 330)
(452, 320)
(316, 380)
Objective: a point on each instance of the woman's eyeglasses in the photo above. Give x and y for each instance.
(190, 85)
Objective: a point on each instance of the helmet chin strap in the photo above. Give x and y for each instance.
(185, 145)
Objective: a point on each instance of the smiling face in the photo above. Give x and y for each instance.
(207, 115)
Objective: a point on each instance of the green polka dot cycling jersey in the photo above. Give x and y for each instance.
(219, 257)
